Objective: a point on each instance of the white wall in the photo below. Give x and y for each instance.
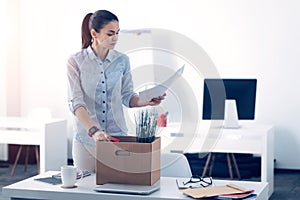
(250, 38)
(3, 147)
(2, 60)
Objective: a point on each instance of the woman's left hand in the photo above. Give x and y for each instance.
(157, 100)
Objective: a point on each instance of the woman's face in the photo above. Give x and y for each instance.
(108, 35)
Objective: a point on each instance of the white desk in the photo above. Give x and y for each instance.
(250, 138)
(30, 189)
(50, 135)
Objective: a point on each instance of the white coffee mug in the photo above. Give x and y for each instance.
(68, 176)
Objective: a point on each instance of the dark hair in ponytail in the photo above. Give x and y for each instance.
(96, 21)
(86, 37)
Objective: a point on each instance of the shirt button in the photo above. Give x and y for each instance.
(103, 111)
(103, 101)
(103, 121)
(102, 81)
(101, 72)
(103, 92)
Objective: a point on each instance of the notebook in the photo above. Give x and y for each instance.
(56, 178)
(51, 180)
(128, 189)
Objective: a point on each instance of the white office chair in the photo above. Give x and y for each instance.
(175, 165)
(40, 114)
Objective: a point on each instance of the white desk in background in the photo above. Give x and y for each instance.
(31, 189)
(50, 135)
(250, 138)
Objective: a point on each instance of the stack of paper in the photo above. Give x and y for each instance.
(159, 90)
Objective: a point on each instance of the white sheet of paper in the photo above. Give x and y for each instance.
(160, 89)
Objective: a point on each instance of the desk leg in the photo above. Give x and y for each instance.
(16, 161)
(267, 160)
(236, 166)
(36, 149)
(229, 166)
(206, 165)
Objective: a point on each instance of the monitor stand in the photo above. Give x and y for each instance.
(230, 115)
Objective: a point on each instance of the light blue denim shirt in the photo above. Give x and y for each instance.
(101, 87)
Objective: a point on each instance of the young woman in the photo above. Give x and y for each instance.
(100, 83)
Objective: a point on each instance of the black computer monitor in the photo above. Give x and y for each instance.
(216, 91)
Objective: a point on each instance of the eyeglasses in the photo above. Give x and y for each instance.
(203, 181)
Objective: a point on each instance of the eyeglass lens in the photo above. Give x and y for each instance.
(204, 182)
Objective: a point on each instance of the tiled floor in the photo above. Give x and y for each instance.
(287, 182)
(20, 174)
(287, 185)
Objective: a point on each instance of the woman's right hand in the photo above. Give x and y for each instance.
(101, 136)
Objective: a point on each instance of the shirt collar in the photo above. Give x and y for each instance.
(110, 56)
(91, 54)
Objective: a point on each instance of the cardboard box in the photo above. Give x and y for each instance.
(128, 161)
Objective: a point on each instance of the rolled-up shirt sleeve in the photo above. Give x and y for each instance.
(75, 92)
